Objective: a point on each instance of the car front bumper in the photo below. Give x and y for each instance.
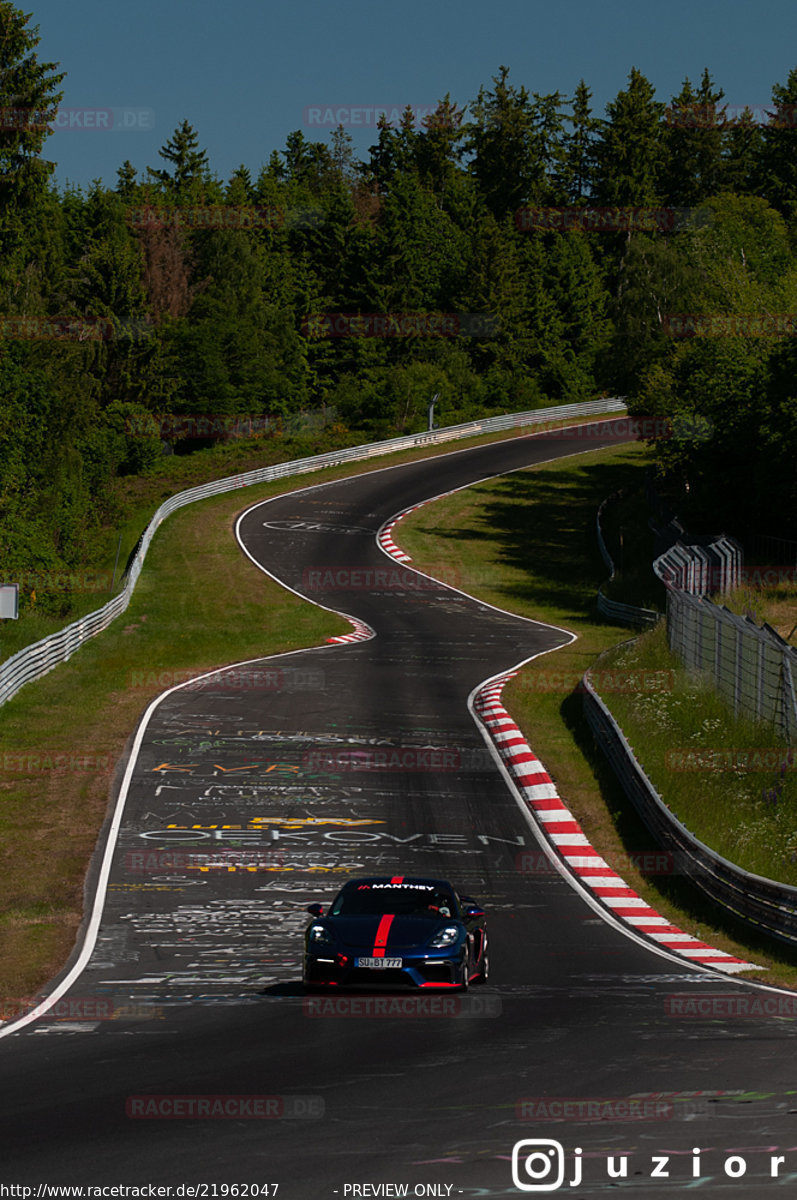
(426, 970)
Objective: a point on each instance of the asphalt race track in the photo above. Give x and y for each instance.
(263, 788)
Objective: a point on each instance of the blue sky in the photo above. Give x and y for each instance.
(246, 73)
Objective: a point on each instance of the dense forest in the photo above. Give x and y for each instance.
(510, 252)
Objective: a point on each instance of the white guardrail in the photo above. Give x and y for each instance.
(34, 661)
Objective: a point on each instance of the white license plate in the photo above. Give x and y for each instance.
(378, 964)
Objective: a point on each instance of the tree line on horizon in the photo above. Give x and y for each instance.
(176, 292)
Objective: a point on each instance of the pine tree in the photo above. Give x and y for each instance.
(630, 149)
(126, 180)
(502, 141)
(438, 147)
(189, 165)
(29, 97)
(744, 141)
(574, 282)
(345, 166)
(778, 160)
(418, 251)
(580, 146)
(240, 189)
(550, 148)
(694, 136)
(394, 153)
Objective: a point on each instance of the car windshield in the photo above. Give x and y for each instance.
(417, 900)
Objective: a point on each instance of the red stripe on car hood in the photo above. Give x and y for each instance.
(382, 934)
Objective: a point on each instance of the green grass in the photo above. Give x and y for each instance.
(525, 542)
(699, 757)
(777, 606)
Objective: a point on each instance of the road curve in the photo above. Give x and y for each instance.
(257, 791)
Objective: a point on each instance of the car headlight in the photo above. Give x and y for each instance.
(320, 935)
(445, 937)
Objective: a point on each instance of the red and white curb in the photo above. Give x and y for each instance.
(385, 540)
(559, 826)
(567, 837)
(386, 543)
(362, 632)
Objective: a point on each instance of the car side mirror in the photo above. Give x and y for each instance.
(317, 910)
(471, 911)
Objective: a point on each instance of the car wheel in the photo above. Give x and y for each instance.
(484, 969)
(464, 979)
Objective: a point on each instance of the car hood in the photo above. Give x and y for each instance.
(392, 932)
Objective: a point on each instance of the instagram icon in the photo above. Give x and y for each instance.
(538, 1165)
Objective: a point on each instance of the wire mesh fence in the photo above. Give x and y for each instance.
(751, 666)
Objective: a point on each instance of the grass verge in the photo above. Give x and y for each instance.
(525, 542)
(777, 606)
(730, 780)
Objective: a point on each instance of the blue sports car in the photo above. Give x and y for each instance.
(394, 932)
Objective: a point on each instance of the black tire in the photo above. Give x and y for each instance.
(464, 979)
(484, 969)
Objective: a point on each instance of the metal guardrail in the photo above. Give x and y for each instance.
(34, 661)
(769, 906)
(626, 614)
